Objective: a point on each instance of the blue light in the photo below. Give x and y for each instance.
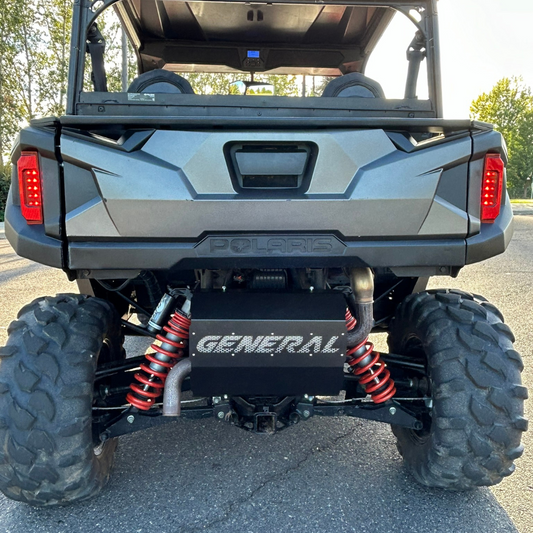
(253, 54)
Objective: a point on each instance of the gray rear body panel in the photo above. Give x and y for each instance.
(178, 186)
(163, 199)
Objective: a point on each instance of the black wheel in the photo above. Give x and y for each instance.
(47, 372)
(472, 433)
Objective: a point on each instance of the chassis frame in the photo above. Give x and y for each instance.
(269, 416)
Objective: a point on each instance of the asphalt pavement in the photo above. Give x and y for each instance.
(324, 475)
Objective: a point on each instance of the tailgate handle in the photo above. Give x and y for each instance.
(281, 168)
(271, 163)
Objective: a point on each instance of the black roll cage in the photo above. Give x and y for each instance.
(85, 13)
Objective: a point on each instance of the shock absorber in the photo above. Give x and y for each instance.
(367, 366)
(173, 338)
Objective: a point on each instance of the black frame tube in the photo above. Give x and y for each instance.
(433, 58)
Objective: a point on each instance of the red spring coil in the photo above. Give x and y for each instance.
(373, 374)
(153, 381)
(350, 320)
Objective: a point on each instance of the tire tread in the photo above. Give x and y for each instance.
(47, 375)
(477, 390)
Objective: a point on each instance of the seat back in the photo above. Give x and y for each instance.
(355, 85)
(160, 81)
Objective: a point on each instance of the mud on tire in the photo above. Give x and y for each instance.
(46, 389)
(473, 434)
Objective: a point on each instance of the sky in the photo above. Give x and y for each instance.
(482, 41)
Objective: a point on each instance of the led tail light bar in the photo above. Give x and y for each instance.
(491, 190)
(30, 187)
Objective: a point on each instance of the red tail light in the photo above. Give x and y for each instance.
(30, 187)
(491, 191)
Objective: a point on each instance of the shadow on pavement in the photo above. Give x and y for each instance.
(327, 475)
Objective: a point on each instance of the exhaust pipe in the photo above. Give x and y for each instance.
(364, 362)
(172, 394)
(362, 301)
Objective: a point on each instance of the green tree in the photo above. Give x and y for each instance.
(34, 47)
(283, 85)
(31, 88)
(4, 189)
(24, 67)
(10, 30)
(204, 83)
(57, 18)
(509, 106)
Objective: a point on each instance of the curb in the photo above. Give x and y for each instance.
(522, 208)
(525, 208)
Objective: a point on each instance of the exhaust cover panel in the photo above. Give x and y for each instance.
(250, 343)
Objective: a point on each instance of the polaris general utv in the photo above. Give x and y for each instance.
(257, 240)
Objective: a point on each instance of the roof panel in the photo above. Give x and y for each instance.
(272, 28)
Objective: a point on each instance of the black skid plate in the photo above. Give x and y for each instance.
(249, 343)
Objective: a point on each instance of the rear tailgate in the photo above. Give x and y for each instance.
(182, 184)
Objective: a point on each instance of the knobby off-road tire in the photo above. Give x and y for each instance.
(47, 368)
(473, 434)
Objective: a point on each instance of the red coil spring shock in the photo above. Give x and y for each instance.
(367, 365)
(153, 376)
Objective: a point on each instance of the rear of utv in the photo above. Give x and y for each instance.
(255, 239)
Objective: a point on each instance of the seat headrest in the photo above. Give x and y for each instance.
(355, 85)
(160, 81)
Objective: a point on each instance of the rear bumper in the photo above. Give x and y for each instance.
(30, 241)
(493, 239)
(248, 251)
